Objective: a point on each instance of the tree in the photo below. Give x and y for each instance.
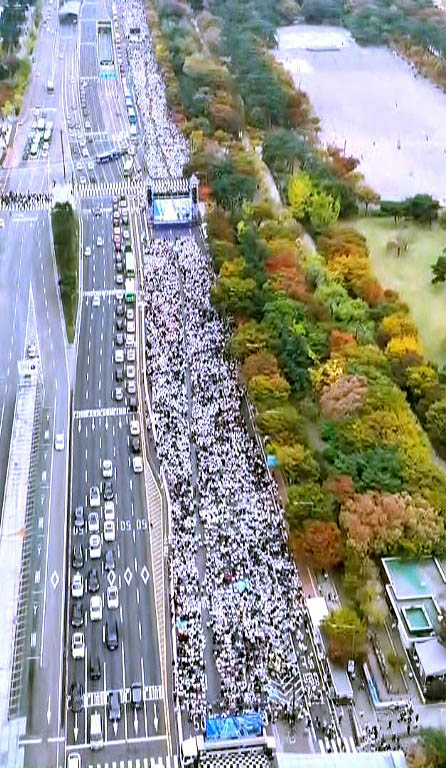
(300, 188)
(439, 269)
(283, 424)
(261, 363)
(434, 744)
(345, 397)
(269, 390)
(346, 633)
(320, 542)
(323, 210)
(435, 423)
(368, 196)
(295, 462)
(249, 338)
(422, 208)
(281, 149)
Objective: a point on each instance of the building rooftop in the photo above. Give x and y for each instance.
(432, 657)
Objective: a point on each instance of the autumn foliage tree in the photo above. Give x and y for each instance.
(343, 398)
(320, 543)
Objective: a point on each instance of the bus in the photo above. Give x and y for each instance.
(130, 290)
(132, 115)
(129, 264)
(105, 157)
(127, 166)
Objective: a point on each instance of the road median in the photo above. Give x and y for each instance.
(65, 229)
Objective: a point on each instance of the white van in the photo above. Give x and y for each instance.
(50, 86)
(96, 738)
(133, 131)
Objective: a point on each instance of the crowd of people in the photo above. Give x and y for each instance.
(25, 201)
(166, 149)
(236, 593)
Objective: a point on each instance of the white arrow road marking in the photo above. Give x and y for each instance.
(48, 712)
(76, 728)
(135, 723)
(155, 717)
(54, 579)
(115, 727)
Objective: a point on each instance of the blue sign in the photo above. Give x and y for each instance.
(237, 727)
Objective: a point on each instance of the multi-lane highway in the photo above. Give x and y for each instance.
(101, 431)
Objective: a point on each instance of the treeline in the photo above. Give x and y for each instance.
(332, 362)
(65, 237)
(15, 69)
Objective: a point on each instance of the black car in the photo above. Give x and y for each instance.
(133, 404)
(76, 697)
(114, 706)
(119, 266)
(79, 517)
(109, 560)
(107, 490)
(120, 324)
(98, 213)
(111, 634)
(95, 668)
(78, 556)
(77, 615)
(120, 310)
(135, 445)
(137, 697)
(119, 373)
(93, 580)
(119, 339)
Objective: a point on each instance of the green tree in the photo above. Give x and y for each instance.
(346, 633)
(422, 208)
(436, 426)
(439, 269)
(434, 744)
(323, 210)
(300, 188)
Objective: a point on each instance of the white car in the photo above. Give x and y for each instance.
(77, 585)
(95, 608)
(112, 597)
(130, 355)
(93, 522)
(74, 760)
(134, 427)
(85, 152)
(119, 355)
(131, 371)
(96, 300)
(130, 326)
(100, 242)
(126, 234)
(109, 510)
(78, 645)
(87, 125)
(109, 530)
(2, 223)
(90, 165)
(95, 496)
(137, 464)
(95, 546)
(82, 143)
(79, 165)
(87, 251)
(59, 442)
(107, 468)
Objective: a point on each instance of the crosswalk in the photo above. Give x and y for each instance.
(31, 205)
(338, 745)
(111, 188)
(143, 762)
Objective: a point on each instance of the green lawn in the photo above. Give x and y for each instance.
(410, 275)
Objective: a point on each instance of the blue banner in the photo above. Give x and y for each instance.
(237, 727)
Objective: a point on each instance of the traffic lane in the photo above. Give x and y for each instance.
(142, 654)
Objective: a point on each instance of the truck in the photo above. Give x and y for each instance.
(96, 738)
